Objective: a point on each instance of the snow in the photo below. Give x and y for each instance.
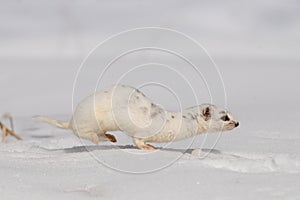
(259, 160)
(256, 46)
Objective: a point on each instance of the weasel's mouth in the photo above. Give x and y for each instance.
(230, 126)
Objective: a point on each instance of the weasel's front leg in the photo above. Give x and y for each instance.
(142, 145)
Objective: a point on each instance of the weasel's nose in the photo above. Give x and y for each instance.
(237, 124)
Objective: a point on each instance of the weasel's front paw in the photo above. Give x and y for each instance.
(148, 147)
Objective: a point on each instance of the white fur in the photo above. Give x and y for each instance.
(126, 109)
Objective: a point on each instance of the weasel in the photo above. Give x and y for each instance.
(124, 108)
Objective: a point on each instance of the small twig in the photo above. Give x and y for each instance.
(13, 134)
(6, 131)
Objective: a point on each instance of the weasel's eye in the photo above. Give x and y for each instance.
(225, 118)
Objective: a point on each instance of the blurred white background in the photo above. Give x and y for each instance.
(70, 29)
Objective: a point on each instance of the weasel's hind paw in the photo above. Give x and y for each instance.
(111, 137)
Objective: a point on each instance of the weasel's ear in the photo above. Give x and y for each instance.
(206, 113)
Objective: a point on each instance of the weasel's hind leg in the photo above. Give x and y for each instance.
(142, 145)
(110, 137)
(106, 137)
(97, 137)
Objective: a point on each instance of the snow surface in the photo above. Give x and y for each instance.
(50, 163)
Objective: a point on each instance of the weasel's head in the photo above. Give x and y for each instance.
(217, 119)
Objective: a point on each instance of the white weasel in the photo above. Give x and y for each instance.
(124, 108)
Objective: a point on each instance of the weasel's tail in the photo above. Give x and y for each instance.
(57, 123)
